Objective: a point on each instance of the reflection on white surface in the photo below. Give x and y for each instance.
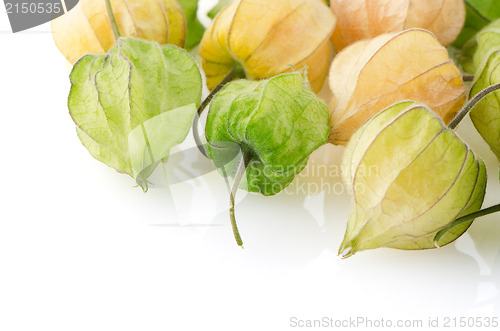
(82, 249)
(289, 235)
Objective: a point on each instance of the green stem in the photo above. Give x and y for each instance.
(229, 77)
(463, 219)
(468, 78)
(148, 144)
(472, 102)
(224, 174)
(233, 74)
(232, 196)
(112, 19)
(196, 136)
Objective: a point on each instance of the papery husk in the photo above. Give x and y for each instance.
(410, 176)
(362, 19)
(277, 123)
(485, 42)
(86, 29)
(265, 39)
(370, 75)
(486, 114)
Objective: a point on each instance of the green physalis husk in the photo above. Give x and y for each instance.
(478, 49)
(195, 29)
(478, 14)
(133, 104)
(486, 114)
(217, 8)
(276, 123)
(411, 176)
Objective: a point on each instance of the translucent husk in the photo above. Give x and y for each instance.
(362, 19)
(411, 176)
(486, 114)
(265, 39)
(86, 29)
(370, 75)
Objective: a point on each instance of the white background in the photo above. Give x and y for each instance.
(81, 248)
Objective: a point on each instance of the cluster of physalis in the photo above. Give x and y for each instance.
(396, 99)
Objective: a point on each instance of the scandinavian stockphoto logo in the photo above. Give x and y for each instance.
(25, 14)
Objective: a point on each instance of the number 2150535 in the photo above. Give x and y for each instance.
(477, 322)
(33, 8)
